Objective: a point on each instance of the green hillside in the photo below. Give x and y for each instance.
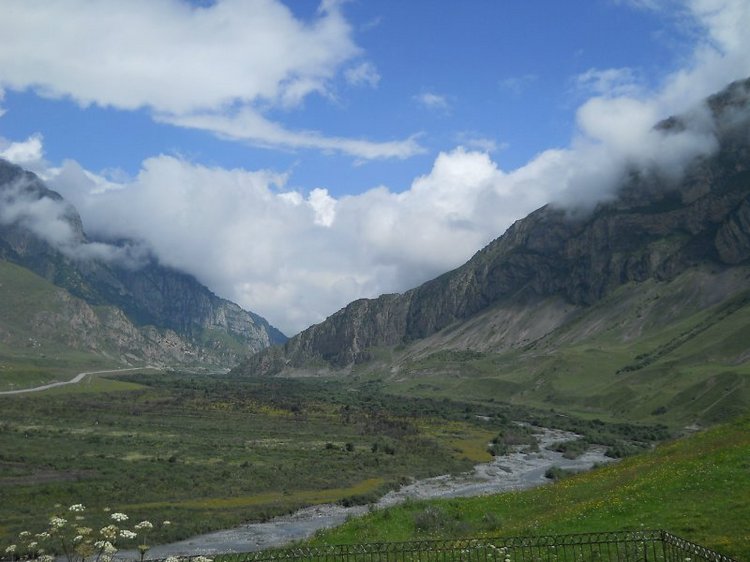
(663, 352)
(697, 487)
(34, 341)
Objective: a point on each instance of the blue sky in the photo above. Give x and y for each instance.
(297, 155)
(498, 73)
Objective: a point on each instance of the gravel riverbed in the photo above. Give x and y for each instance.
(515, 471)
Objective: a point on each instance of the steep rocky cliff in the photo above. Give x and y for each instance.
(656, 228)
(161, 314)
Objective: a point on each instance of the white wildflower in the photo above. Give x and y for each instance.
(11, 549)
(78, 538)
(166, 523)
(24, 534)
(202, 559)
(58, 522)
(33, 545)
(105, 547)
(147, 525)
(126, 534)
(117, 516)
(172, 559)
(109, 532)
(45, 558)
(77, 508)
(43, 535)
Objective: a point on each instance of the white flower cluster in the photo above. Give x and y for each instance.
(78, 541)
(109, 532)
(106, 547)
(57, 522)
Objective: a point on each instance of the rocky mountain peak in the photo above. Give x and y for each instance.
(43, 233)
(658, 225)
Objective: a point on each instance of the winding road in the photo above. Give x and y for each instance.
(78, 378)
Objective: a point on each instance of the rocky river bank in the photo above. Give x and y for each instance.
(514, 471)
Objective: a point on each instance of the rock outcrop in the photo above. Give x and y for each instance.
(170, 310)
(655, 229)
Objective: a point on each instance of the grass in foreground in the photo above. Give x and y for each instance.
(698, 487)
(212, 452)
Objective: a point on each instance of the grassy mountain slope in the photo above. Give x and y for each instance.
(636, 309)
(32, 348)
(47, 334)
(697, 487)
(658, 351)
(655, 230)
(119, 301)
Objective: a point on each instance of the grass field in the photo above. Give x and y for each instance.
(210, 452)
(698, 487)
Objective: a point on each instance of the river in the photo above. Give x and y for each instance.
(510, 472)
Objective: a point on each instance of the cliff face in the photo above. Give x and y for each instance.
(169, 309)
(655, 229)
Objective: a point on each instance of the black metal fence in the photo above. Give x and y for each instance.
(620, 546)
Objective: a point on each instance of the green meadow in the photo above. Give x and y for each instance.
(210, 452)
(697, 487)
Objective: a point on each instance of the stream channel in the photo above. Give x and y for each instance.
(514, 471)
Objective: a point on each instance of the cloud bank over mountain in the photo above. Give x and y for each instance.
(296, 255)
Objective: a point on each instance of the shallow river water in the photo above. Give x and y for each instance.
(510, 472)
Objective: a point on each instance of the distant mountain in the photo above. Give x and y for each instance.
(554, 280)
(110, 299)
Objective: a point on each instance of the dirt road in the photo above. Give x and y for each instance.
(78, 378)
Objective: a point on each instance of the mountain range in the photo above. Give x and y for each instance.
(635, 307)
(647, 294)
(63, 292)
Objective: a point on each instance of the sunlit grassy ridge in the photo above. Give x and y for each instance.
(29, 357)
(698, 487)
(672, 352)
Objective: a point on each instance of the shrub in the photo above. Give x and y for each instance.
(557, 473)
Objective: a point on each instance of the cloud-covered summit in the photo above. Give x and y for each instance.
(298, 253)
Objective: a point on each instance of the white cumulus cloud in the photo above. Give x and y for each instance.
(297, 256)
(364, 74)
(28, 153)
(212, 67)
(433, 101)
